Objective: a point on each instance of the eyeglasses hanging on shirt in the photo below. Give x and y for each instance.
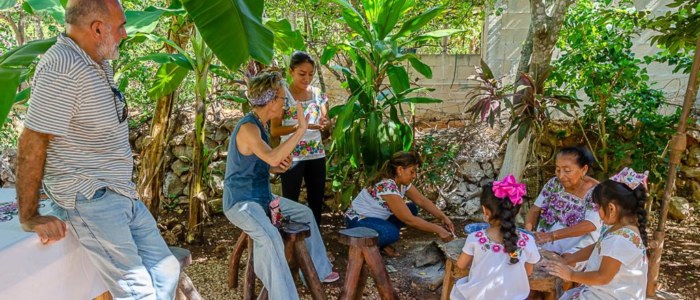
(125, 108)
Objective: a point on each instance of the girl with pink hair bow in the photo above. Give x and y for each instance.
(500, 257)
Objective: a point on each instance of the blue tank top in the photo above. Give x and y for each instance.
(247, 176)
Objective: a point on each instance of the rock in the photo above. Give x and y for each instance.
(472, 171)
(189, 138)
(679, 208)
(230, 124)
(216, 182)
(441, 203)
(693, 157)
(429, 255)
(472, 187)
(179, 167)
(177, 140)
(472, 206)
(186, 190)
(211, 144)
(474, 194)
(488, 169)
(218, 167)
(172, 186)
(690, 172)
(8, 165)
(462, 188)
(695, 187)
(221, 134)
(216, 205)
(140, 142)
(486, 181)
(455, 199)
(497, 163)
(183, 152)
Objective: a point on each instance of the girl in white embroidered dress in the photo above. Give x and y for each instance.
(501, 257)
(617, 263)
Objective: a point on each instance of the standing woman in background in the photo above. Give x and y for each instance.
(309, 156)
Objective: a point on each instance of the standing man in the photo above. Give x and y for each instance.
(76, 139)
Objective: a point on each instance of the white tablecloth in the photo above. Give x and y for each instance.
(31, 270)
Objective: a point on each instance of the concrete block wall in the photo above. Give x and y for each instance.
(505, 33)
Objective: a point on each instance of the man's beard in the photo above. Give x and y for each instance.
(109, 50)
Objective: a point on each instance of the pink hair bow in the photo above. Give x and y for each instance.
(511, 188)
(631, 178)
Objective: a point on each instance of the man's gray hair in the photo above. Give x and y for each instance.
(84, 12)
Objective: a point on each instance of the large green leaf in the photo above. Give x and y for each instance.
(9, 81)
(164, 58)
(53, 7)
(420, 100)
(328, 54)
(168, 79)
(5, 4)
(421, 67)
(233, 29)
(436, 34)
(24, 55)
(286, 39)
(414, 24)
(388, 16)
(142, 21)
(398, 77)
(356, 23)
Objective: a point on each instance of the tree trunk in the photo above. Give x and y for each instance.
(539, 45)
(150, 179)
(677, 145)
(197, 207)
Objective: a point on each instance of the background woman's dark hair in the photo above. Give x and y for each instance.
(504, 211)
(300, 57)
(582, 154)
(399, 159)
(629, 202)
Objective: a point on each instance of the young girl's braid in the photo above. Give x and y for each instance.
(508, 229)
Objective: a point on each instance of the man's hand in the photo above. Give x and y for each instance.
(48, 228)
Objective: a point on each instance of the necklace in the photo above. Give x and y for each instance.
(255, 114)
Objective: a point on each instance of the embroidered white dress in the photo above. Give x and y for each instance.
(311, 145)
(561, 210)
(624, 245)
(369, 202)
(491, 275)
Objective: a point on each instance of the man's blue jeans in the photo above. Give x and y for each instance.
(389, 230)
(270, 264)
(123, 241)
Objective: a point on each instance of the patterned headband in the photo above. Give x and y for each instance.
(631, 178)
(267, 96)
(509, 187)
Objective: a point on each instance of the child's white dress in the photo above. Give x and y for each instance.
(624, 245)
(491, 275)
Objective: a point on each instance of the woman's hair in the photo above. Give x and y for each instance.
(300, 57)
(629, 202)
(263, 83)
(582, 156)
(503, 210)
(399, 159)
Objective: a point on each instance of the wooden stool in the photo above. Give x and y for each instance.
(244, 242)
(540, 280)
(293, 235)
(363, 248)
(185, 287)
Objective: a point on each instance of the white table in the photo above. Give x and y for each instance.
(30, 270)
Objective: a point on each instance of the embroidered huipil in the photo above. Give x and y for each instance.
(561, 209)
(311, 145)
(369, 202)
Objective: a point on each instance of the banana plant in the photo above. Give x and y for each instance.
(373, 122)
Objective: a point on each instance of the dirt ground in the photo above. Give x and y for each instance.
(680, 271)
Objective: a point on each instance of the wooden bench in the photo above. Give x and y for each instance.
(540, 280)
(185, 287)
(296, 253)
(364, 255)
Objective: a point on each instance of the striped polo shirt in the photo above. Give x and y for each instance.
(72, 100)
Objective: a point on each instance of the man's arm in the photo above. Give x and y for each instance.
(30, 170)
